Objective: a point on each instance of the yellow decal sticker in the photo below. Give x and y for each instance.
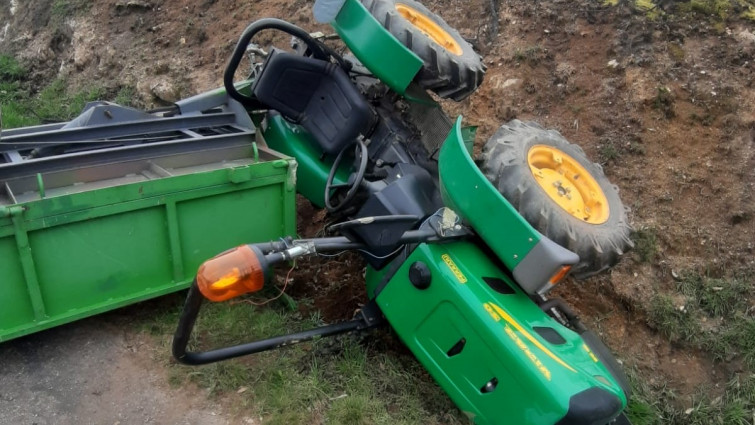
(510, 320)
(533, 358)
(492, 312)
(455, 270)
(592, 356)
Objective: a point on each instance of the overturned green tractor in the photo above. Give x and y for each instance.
(460, 257)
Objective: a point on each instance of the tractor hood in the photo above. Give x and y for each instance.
(532, 257)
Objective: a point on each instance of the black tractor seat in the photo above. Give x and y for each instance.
(317, 95)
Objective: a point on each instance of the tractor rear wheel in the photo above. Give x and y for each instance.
(560, 192)
(451, 69)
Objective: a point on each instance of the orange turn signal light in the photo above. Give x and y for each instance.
(230, 274)
(560, 275)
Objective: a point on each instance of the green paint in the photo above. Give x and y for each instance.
(174, 237)
(466, 190)
(312, 167)
(376, 48)
(431, 321)
(27, 262)
(70, 256)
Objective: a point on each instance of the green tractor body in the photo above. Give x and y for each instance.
(479, 335)
(463, 282)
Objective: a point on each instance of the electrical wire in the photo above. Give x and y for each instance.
(282, 291)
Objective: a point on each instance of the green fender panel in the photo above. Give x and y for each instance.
(376, 48)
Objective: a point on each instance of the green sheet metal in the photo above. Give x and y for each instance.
(89, 248)
(467, 333)
(466, 190)
(376, 48)
(313, 167)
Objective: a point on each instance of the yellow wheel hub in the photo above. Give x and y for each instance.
(568, 184)
(425, 24)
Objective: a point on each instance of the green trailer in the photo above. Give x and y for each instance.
(119, 206)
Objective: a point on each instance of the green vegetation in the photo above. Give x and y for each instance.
(645, 244)
(608, 152)
(716, 297)
(333, 380)
(710, 314)
(53, 103)
(660, 406)
(531, 55)
(62, 9)
(676, 321)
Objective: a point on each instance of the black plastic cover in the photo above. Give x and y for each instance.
(316, 94)
(592, 406)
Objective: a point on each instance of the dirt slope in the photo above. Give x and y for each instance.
(667, 106)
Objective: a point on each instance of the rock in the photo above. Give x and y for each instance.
(166, 91)
(612, 64)
(746, 41)
(510, 82)
(161, 88)
(133, 4)
(563, 72)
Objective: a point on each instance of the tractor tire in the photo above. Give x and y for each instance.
(560, 193)
(451, 68)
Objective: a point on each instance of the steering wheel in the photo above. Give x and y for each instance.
(352, 184)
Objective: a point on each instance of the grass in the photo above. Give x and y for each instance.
(658, 405)
(716, 297)
(342, 380)
(728, 336)
(608, 152)
(531, 55)
(62, 9)
(646, 246)
(675, 321)
(664, 102)
(54, 103)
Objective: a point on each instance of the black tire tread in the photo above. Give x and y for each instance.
(504, 163)
(449, 76)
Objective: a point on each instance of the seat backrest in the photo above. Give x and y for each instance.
(316, 94)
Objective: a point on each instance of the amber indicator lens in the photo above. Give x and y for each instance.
(230, 274)
(560, 275)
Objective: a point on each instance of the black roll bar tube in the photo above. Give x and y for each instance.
(275, 252)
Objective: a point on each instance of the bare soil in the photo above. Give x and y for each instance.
(667, 106)
(97, 371)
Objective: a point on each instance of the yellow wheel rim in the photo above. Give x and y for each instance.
(425, 24)
(568, 184)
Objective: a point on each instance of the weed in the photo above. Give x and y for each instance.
(664, 102)
(608, 152)
(126, 96)
(658, 406)
(13, 115)
(675, 322)
(739, 338)
(10, 69)
(645, 244)
(717, 297)
(706, 119)
(636, 148)
(717, 9)
(531, 55)
(55, 103)
(62, 9)
(676, 52)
